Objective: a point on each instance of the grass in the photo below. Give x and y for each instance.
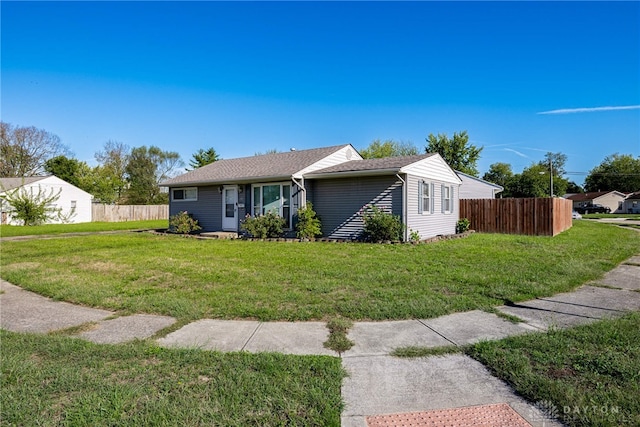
(16, 230)
(609, 216)
(410, 352)
(589, 374)
(192, 279)
(52, 380)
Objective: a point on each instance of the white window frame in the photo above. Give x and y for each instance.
(185, 198)
(425, 195)
(447, 199)
(258, 204)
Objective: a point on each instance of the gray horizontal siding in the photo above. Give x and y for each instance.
(338, 202)
(436, 223)
(474, 189)
(207, 209)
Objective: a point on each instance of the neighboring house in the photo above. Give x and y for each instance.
(476, 188)
(611, 199)
(632, 203)
(75, 204)
(422, 189)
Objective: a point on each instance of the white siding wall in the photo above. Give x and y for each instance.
(434, 168)
(474, 189)
(343, 155)
(436, 223)
(68, 194)
(611, 200)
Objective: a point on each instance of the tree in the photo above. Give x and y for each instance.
(574, 188)
(146, 168)
(203, 158)
(619, 172)
(64, 168)
(34, 208)
(24, 150)
(270, 151)
(113, 160)
(389, 148)
(457, 151)
(501, 174)
(534, 181)
(557, 160)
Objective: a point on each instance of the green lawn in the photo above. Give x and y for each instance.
(191, 279)
(15, 230)
(53, 381)
(609, 216)
(589, 374)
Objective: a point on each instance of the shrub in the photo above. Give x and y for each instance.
(265, 226)
(414, 236)
(35, 208)
(381, 226)
(183, 223)
(462, 225)
(308, 226)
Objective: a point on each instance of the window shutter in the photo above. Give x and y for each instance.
(432, 199)
(420, 196)
(452, 200)
(442, 198)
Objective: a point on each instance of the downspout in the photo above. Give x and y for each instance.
(404, 208)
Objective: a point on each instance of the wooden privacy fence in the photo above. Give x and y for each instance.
(535, 217)
(120, 213)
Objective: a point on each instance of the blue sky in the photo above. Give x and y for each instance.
(246, 77)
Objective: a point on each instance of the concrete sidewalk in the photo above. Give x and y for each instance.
(377, 383)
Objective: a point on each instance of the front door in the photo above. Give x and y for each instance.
(230, 208)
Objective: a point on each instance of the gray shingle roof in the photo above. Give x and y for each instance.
(267, 166)
(387, 163)
(7, 184)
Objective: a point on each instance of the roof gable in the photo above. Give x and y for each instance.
(582, 197)
(386, 164)
(7, 184)
(464, 176)
(251, 169)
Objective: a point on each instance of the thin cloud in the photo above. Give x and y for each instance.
(517, 152)
(590, 110)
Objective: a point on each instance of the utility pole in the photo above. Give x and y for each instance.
(550, 178)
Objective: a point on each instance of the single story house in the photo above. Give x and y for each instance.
(477, 188)
(632, 203)
(74, 203)
(611, 199)
(423, 190)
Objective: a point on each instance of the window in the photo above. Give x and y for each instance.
(425, 197)
(273, 198)
(447, 199)
(184, 194)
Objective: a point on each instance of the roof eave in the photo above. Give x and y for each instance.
(347, 174)
(202, 183)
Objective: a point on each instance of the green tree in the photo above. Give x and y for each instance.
(619, 172)
(457, 151)
(111, 174)
(269, 151)
(34, 208)
(534, 181)
(574, 188)
(203, 157)
(501, 174)
(557, 160)
(389, 148)
(146, 168)
(65, 168)
(24, 150)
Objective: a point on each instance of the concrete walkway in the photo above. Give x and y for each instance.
(377, 383)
